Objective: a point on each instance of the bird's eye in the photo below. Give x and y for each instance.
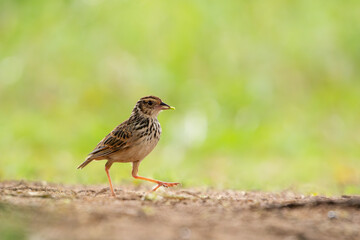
(150, 103)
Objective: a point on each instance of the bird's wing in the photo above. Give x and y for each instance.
(119, 139)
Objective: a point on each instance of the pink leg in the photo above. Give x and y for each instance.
(160, 183)
(107, 167)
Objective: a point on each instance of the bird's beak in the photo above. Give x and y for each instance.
(164, 106)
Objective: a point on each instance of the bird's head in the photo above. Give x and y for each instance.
(150, 106)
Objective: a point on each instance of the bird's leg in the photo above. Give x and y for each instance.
(155, 188)
(160, 183)
(107, 167)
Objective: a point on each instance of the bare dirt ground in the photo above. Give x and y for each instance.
(35, 210)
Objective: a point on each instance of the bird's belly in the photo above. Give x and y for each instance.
(135, 153)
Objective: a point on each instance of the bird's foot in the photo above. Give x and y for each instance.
(165, 184)
(168, 184)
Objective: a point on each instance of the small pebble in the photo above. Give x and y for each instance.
(185, 233)
(331, 215)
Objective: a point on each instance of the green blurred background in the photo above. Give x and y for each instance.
(267, 92)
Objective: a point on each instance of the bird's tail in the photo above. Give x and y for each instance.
(86, 162)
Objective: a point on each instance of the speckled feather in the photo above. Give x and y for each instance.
(133, 139)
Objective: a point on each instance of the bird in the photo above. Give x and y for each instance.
(132, 140)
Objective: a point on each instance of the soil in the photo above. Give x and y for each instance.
(39, 210)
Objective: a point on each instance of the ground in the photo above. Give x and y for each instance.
(39, 210)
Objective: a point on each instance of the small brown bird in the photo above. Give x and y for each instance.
(132, 140)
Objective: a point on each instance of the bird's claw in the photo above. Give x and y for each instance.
(168, 184)
(165, 184)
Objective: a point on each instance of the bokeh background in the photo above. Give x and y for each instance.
(267, 92)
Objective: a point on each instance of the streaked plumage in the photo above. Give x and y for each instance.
(132, 140)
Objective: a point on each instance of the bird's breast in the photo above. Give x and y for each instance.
(147, 135)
